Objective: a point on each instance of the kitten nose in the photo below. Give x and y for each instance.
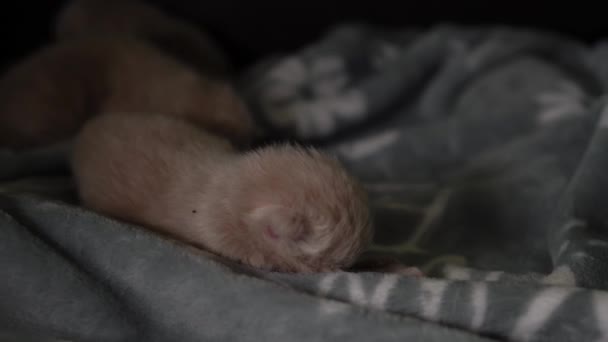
(271, 233)
(292, 230)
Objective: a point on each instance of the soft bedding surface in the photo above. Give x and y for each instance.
(483, 150)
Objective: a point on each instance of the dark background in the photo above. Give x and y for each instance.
(249, 29)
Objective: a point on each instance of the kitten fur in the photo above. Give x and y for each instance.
(281, 208)
(48, 96)
(136, 19)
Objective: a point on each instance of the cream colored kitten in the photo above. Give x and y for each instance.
(281, 207)
(48, 96)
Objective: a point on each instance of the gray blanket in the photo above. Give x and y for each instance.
(483, 152)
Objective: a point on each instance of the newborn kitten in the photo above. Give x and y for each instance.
(281, 207)
(180, 39)
(47, 97)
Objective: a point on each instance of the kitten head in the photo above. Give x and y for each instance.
(303, 211)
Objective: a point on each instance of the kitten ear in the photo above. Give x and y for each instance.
(277, 222)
